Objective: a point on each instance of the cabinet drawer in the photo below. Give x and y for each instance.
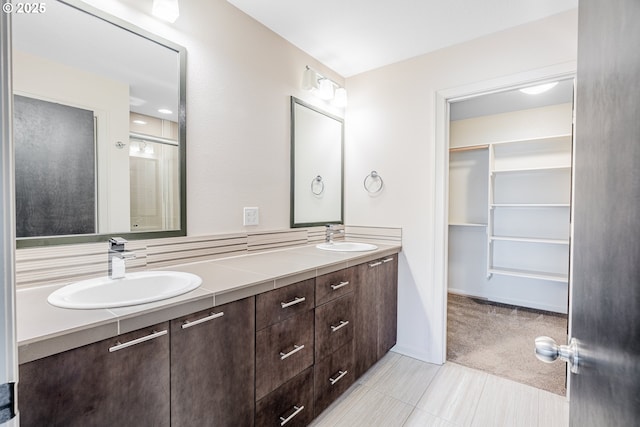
(334, 325)
(282, 351)
(279, 304)
(333, 285)
(333, 376)
(290, 405)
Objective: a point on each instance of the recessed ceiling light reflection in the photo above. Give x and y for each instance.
(165, 111)
(535, 90)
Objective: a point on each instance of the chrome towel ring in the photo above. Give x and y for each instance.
(373, 183)
(317, 185)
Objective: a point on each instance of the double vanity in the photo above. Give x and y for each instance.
(270, 338)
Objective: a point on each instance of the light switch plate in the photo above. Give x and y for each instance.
(251, 216)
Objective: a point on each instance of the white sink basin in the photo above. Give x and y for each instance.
(346, 247)
(134, 288)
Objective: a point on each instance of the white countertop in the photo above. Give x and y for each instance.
(43, 329)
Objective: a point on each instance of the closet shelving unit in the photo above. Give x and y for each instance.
(528, 208)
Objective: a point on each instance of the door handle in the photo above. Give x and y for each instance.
(548, 351)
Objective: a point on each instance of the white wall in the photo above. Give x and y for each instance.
(240, 77)
(390, 127)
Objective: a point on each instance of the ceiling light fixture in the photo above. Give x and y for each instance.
(535, 90)
(167, 10)
(165, 111)
(324, 88)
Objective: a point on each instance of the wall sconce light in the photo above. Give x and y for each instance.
(324, 88)
(167, 10)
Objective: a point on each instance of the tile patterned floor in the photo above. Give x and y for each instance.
(405, 392)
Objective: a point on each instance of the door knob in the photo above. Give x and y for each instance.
(548, 351)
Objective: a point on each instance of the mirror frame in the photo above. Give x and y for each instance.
(292, 222)
(182, 141)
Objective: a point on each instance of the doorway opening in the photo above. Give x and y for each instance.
(508, 233)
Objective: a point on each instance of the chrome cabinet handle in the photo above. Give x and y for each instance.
(296, 411)
(296, 348)
(339, 285)
(375, 264)
(189, 323)
(338, 378)
(120, 346)
(342, 324)
(297, 300)
(387, 259)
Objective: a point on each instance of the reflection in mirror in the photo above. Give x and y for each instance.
(317, 149)
(99, 128)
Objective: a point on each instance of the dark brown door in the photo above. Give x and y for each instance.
(606, 244)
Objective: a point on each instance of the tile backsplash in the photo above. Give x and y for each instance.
(61, 264)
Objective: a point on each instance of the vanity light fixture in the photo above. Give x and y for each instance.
(324, 88)
(167, 10)
(535, 90)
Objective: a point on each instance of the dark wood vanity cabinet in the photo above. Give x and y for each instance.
(119, 381)
(376, 301)
(213, 366)
(279, 358)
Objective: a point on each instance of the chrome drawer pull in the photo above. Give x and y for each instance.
(296, 411)
(387, 259)
(296, 348)
(190, 323)
(375, 264)
(342, 324)
(338, 378)
(120, 346)
(294, 302)
(339, 285)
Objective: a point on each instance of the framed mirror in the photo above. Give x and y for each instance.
(317, 166)
(99, 128)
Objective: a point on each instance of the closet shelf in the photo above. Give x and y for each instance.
(532, 169)
(466, 224)
(554, 277)
(532, 140)
(530, 205)
(530, 240)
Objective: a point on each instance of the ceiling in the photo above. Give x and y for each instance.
(354, 36)
(511, 100)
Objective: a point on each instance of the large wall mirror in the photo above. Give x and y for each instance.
(99, 128)
(317, 166)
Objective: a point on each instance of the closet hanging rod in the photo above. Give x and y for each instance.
(471, 147)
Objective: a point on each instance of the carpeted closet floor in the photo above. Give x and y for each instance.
(499, 339)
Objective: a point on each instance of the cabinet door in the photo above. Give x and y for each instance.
(212, 366)
(106, 383)
(388, 308)
(366, 325)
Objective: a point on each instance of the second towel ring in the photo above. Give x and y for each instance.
(317, 182)
(369, 181)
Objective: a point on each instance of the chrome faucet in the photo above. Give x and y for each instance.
(117, 257)
(330, 230)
